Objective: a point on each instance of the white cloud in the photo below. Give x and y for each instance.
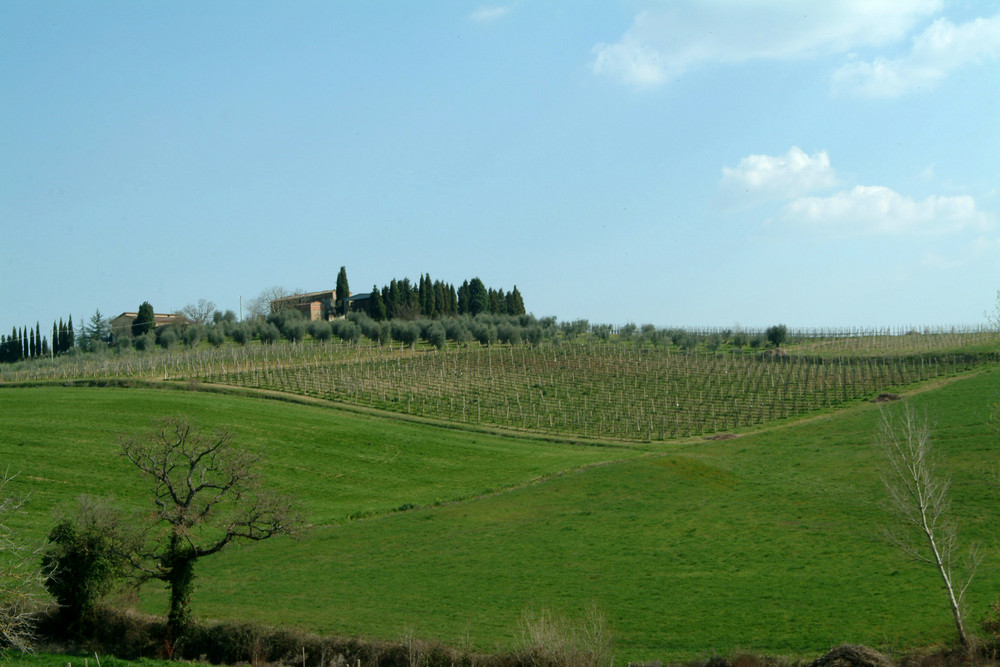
(870, 210)
(489, 13)
(939, 50)
(768, 177)
(675, 37)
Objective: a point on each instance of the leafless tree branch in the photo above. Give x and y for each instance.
(918, 499)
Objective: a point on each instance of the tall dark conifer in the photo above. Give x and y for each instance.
(343, 291)
(70, 335)
(145, 320)
(479, 298)
(376, 306)
(463, 299)
(515, 304)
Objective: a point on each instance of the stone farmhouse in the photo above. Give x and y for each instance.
(319, 305)
(123, 323)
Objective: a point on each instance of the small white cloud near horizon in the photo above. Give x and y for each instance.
(489, 13)
(938, 51)
(759, 178)
(667, 41)
(867, 210)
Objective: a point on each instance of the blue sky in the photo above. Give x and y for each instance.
(678, 163)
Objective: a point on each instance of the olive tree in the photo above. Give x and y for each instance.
(206, 495)
(918, 500)
(777, 334)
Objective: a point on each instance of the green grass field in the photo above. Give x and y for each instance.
(767, 542)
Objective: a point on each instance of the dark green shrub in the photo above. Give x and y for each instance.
(990, 624)
(85, 556)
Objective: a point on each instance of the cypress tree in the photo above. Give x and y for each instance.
(422, 296)
(515, 304)
(25, 350)
(463, 298)
(376, 306)
(144, 321)
(440, 299)
(55, 338)
(70, 336)
(38, 339)
(479, 298)
(32, 346)
(63, 338)
(45, 347)
(343, 291)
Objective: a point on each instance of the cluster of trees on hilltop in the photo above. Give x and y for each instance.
(401, 299)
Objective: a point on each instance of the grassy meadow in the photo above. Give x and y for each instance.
(765, 542)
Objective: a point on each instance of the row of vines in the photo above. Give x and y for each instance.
(594, 389)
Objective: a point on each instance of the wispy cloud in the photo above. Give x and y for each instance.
(871, 210)
(936, 52)
(489, 13)
(759, 178)
(665, 42)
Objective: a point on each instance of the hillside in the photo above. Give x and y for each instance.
(766, 542)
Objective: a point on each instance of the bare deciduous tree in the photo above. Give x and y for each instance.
(918, 498)
(207, 495)
(260, 306)
(20, 578)
(200, 312)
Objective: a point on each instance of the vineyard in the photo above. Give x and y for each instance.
(589, 388)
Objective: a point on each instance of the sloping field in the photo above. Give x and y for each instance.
(765, 542)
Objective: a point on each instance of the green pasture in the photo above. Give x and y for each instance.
(767, 542)
(335, 464)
